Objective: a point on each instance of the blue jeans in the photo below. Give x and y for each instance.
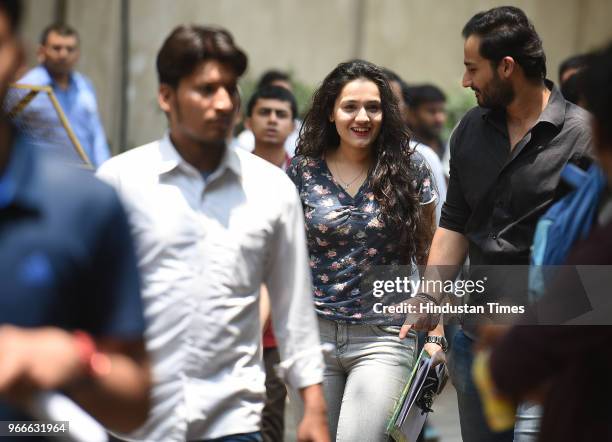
(364, 377)
(474, 427)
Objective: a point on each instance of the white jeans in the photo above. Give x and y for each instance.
(364, 378)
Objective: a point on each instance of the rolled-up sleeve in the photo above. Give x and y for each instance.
(289, 284)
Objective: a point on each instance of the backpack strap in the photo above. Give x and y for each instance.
(573, 175)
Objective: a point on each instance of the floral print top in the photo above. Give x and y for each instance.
(345, 236)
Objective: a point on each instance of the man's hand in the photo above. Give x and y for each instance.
(36, 359)
(435, 353)
(313, 427)
(49, 358)
(419, 319)
(446, 254)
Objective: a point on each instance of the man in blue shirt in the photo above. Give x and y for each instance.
(58, 54)
(70, 309)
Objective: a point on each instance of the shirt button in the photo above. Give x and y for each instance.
(493, 235)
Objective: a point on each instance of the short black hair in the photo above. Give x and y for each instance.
(13, 10)
(392, 77)
(59, 28)
(423, 93)
(187, 46)
(273, 93)
(571, 88)
(578, 61)
(272, 75)
(507, 32)
(596, 87)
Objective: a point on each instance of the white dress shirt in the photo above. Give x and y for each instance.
(437, 171)
(246, 140)
(204, 248)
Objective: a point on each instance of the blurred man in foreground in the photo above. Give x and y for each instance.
(70, 309)
(570, 374)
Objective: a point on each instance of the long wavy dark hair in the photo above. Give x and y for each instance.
(392, 172)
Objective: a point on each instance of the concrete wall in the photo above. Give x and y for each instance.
(594, 23)
(38, 15)
(306, 37)
(418, 39)
(98, 24)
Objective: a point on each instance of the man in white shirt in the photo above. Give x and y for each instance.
(209, 232)
(270, 113)
(246, 139)
(399, 88)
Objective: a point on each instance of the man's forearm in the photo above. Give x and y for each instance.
(447, 254)
(313, 398)
(109, 379)
(264, 307)
(314, 426)
(438, 331)
(447, 248)
(120, 400)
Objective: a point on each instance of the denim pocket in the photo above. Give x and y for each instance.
(401, 351)
(387, 330)
(391, 330)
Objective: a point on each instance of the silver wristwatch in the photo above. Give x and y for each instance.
(440, 340)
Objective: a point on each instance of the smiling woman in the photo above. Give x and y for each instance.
(368, 201)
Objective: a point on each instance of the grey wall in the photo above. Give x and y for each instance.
(418, 39)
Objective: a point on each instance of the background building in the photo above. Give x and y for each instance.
(421, 40)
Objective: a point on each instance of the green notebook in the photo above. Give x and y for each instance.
(411, 409)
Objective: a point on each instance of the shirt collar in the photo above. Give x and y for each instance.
(553, 113)
(170, 159)
(48, 79)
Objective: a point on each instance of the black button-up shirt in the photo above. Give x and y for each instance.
(495, 194)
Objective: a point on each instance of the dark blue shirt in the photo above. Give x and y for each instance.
(66, 254)
(346, 238)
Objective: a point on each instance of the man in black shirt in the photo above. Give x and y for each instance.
(506, 158)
